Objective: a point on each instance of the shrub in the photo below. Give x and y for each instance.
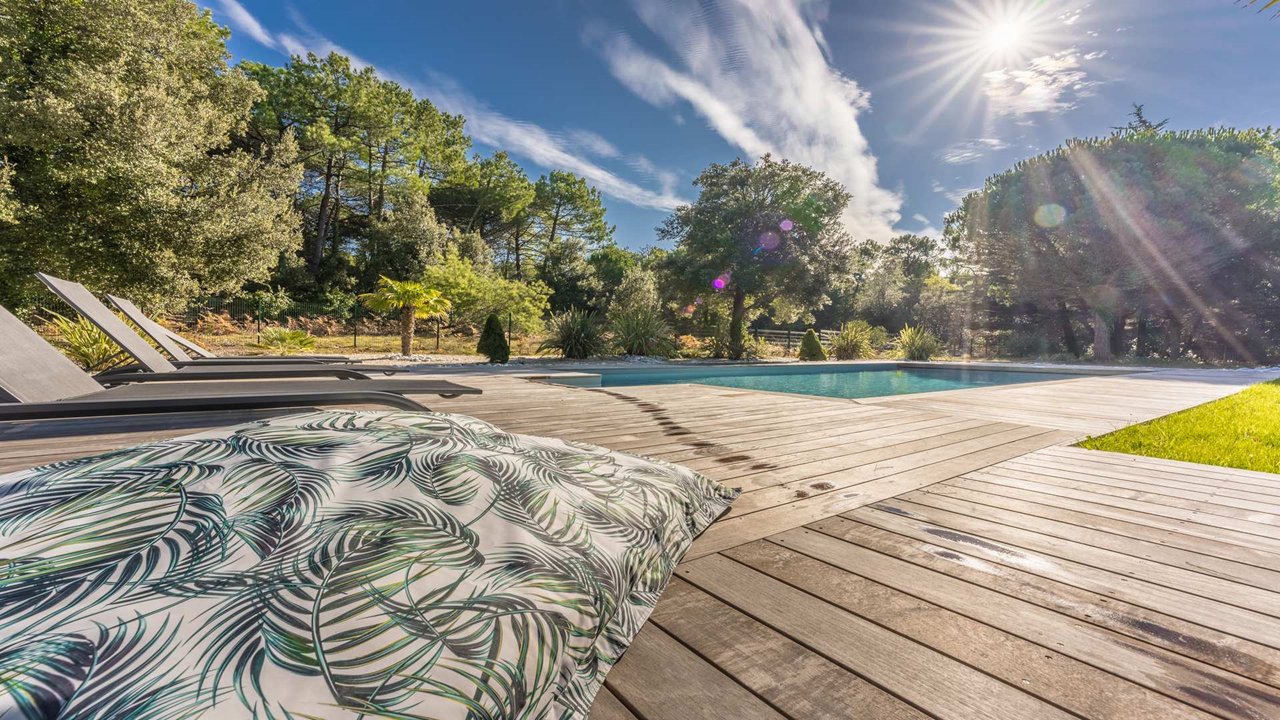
(84, 343)
(285, 341)
(853, 342)
(689, 346)
(575, 334)
(916, 343)
(1022, 344)
(640, 330)
(811, 347)
(493, 342)
(211, 323)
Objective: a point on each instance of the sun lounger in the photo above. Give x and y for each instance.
(160, 368)
(40, 382)
(180, 349)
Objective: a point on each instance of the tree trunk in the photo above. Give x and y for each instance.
(406, 329)
(1068, 330)
(1101, 337)
(316, 256)
(437, 334)
(737, 331)
(1119, 341)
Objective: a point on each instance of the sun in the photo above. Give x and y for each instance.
(1005, 36)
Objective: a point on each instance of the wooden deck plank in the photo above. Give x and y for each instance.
(1040, 671)
(607, 706)
(794, 679)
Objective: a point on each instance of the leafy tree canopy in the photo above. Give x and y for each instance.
(116, 159)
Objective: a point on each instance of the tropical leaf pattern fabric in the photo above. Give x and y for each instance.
(335, 565)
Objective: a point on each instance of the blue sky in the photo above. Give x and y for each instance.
(909, 103)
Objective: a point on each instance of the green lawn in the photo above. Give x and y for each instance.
(1240, 431)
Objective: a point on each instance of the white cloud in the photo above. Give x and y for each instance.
(591, 142)
(757, 72)
(548, 149)
(955, 195)
(1048, 84)
(245, 22)
(567, 150)
(971, 150)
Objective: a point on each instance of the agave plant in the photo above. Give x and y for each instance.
(84, 343)
(917, 343)
(853, 342)
(640, 330)
(575, 334)
(285, 341)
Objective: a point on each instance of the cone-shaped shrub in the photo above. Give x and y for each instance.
(811, 347)
(493, 343)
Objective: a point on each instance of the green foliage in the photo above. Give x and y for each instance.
(638, 287)
(811, 349)
(916, 343)
(575, 334)
(272, 303)
(493, 341)
(412, 300)
(285, 341)
(84, 343)
(640, 330)
(1240, 431)
(475, 294)
(119, 160)
(853, 342)
(759, 232)
(1162, 230)
(1026, 344)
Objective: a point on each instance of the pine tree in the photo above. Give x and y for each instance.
(493, 343)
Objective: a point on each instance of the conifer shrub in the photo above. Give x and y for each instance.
(811, 347)
(493, 342)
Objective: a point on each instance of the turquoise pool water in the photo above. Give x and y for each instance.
(838, 382)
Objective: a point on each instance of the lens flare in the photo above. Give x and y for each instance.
(721, 282)
(786, 225)
(769, 240)
(1050, 215)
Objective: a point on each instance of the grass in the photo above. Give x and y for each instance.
(1239, 431)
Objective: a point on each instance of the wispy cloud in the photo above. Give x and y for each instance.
(542, 146)
(568, 150)
(757, 72)
(955, 195)
(971, 150)
(1051, 83)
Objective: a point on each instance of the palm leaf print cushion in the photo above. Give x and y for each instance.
(335, 564)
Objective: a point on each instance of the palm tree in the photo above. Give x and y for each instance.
(412, 299)
(1267, 4)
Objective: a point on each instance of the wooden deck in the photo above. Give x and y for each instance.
(940, 555)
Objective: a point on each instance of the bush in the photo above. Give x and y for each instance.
(85, 344)
(811, 347)
(915, 343)
(271, 303)
(285, 341)
(575, 334)
(493, 342)
(640, 330)
(690, 346)
(1021, 344)
(211, 323)
(853, 342)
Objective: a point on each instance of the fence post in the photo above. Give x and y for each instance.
(355, 328)
(257, 314)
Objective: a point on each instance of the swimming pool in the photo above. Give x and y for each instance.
(838, 381)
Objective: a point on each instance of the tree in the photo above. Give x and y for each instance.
(367, 145)
(1176, 232)
(761, 232)
(811, 349)
(117, 166)
(1140, 123)
(493, 343)
(412, 300)
(475, 293)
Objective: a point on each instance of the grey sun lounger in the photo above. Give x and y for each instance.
(182, 350)
(37, 382)
(159, 368)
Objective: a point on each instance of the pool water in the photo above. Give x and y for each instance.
(849, 382)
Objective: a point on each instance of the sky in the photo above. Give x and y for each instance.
(909, 104)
